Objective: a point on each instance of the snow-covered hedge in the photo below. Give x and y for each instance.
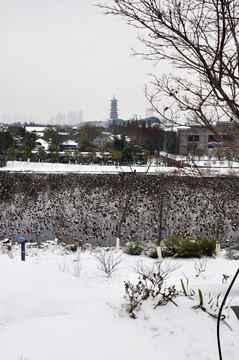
(87, 208)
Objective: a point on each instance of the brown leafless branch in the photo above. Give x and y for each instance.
(199, 39)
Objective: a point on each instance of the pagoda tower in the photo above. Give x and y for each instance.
(114, 109)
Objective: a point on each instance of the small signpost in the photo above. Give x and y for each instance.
(21, 240)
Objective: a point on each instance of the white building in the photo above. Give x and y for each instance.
(39, 130)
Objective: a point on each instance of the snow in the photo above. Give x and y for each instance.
(215, 167)
(54, 308)
(36, 129)
(24, 166)
(43, 143)
(39, 130)
(70, 142)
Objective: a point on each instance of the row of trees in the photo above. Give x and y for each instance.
(22, 141)
(93, 145)
(150, 136)
(199, 42)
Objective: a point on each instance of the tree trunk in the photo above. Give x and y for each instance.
(160, 226)
(125, 208)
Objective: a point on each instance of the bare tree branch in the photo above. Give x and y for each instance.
(199, 38)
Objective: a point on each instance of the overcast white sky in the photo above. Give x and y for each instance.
(60, 55)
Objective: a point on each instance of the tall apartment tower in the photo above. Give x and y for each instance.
(114, 109)
(74, 117)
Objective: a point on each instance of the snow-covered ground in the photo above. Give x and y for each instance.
(54, 308)
(76, 168)
(213, 167)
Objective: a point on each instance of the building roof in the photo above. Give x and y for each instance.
(70, 143)
(37, 129)
(43, 143)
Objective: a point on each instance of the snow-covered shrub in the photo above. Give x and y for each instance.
(232, 252)
(3, 247)
(196, 248)
(68, 243)
(179, 247)
(135, 294)
(188, 249)
(206, 246)
(108, 262)
(150, 250)
(164, 269)
(170, 245)
(137, 247)
(200, 266)
(73, 268)
(167, 295)
(134, 247)
(149, 285)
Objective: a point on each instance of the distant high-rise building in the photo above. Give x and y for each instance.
(74, 117)
(60, 118)
(114, 109)
(71, 117)
(11, 118)
(80, 117)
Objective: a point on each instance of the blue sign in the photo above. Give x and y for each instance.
(20, 238)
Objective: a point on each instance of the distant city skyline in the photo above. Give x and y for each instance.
(71, 117)
(58, 55)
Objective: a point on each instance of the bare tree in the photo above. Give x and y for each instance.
(161, 210)
(126, 205)
(125, 209)
(107, 261)
(199, 38)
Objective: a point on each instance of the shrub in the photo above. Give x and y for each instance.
(206, 246)
(137, 247)
(150, 284)
(135, 295)
(173, 246)
(150, 250)
(196, 249)
(163, 270)
(186, 248)
(170, 245)
(134, 247)
(108, 262)
(200, 266)
(232, 252)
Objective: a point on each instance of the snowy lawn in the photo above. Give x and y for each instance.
(54, 308)
(24, 166)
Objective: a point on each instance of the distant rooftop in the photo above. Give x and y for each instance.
(37, 129)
